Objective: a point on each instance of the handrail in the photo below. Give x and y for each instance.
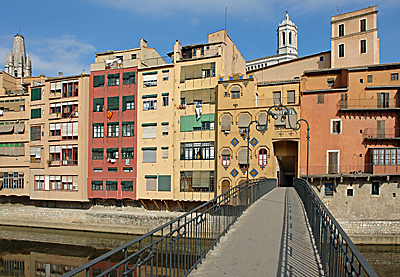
(339, 256)
(175, 248)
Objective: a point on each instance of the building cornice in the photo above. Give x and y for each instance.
(325, 90)
(353, 17)
(355, 34)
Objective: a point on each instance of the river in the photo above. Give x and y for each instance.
(29, 252)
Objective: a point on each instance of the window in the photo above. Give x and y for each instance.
(113, 103)
(283, 38)
(262, 157)
(164, 152)
(328, 189)
(149, 154)
(113, 79)
(201, 181)
(380, 130)
(70, 109)
(235, 92)
(97, 169)
(36, 113)
(98, 81)
(321, 98)
(331, 82)
(164, 129)
(13, 180)
(375, 188)
(164, 183)
(149, 130)
(336, 126)
(36, 155)
(150, 104)
(98, 130)
(197, 150)
(226, 123)
(97, 153)
(55, 153)
(363, 46)
(133, 56)
(111, 185)
(369, 78)
(36, 94)
(243, 123)
(290, 97)
(128, 129)
(386, 156)
(341, 50)
(55, 87)
(165, 75)
(341, 30)
(198, 71)
(333, 162)
(276, 97)
(98, 104)
(151, 182)
(112, 129)
(149, 79)
(363, 25)
(69, 130)
(165, 100)
(394, 76)
(350, 192)
(128, 102)
(69, 154)
(36, 133)
(112, 169)
(127, 153)
(97, 185)
(127, 185)
(383, 100)
(190, 123)
(128, 78)
(112, 154)
(39, 182)
(226, 157)
(321, 58)
(290, 37)
(128, 169)
(70, 88)
(242, 158)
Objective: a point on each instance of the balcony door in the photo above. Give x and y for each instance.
(380, 128)
(333, 162)
(343, 101)
(383, 100)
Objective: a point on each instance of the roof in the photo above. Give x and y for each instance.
(372, 67)
(279, 82)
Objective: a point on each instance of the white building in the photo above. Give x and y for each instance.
(18, 63)
(287, 47)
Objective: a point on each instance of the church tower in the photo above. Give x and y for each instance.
(18, 63)
(287, 38)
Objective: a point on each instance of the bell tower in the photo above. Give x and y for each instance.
(287, 37)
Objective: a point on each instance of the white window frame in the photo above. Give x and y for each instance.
(341, 126)
(327, 159)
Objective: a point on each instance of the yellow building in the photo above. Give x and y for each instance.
(274, 147)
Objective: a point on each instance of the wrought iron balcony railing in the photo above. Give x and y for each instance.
(385, 133)
(368, 104)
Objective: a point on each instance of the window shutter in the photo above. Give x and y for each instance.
(290, 96)
(151, 184)
(129, 98)
(165, 128)
(205, 179)
(262, 118)
(64, 130)
(36, 94)
(187, 123)
(75, 129)
(149, 132)
(226, 122)
(333, 162)
(277, 97)
(113, 103)
(244, 121)
(196, 182)
(242, 156)
(226, 152)
(164, 183)
(292, 118)
(149, 156)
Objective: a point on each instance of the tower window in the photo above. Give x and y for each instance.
(363, 25)
(341, 50)
(341, 30)
(363, 46)
(283, 38)
(290, 38)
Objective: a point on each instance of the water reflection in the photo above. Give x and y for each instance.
(384, 259)
(38, 252)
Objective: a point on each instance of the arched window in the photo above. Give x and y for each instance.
(242, 158)
(262, 119)
(226, 123)
(283, 38)
(262, 157)
(235, 92)
(226, 157)
(244, 121)
(290, 37)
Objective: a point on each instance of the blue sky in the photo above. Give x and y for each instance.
(64, 35)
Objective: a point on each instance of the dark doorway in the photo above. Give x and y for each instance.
(287, 161)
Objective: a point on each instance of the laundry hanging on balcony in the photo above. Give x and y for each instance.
(110, 63)
(198, 110)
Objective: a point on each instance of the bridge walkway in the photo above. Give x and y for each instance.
(271, 238)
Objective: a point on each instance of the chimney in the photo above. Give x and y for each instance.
(60, 74)
(143, 43)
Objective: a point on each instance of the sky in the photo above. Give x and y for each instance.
(63, 36)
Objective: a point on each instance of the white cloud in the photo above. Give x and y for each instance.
(66, 54)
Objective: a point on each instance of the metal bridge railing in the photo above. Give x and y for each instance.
(339, 256)
(175, 248)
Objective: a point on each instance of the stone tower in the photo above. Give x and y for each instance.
(18, 63)
(287, 38)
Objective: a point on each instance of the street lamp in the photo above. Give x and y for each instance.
(282, 109)
(248, 143)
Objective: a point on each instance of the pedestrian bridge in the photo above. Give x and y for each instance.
(254, 229)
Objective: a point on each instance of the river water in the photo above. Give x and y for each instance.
(29, 252)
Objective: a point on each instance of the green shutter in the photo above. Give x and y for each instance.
(98, 80)
(164, 183)
(149, 124)
(149, 73)
(94, 182)
(116, 75)
(165, 93)
(149, 96)
(113, 103)
(36, 94)
(150, 176)
(207, 117)
(128, 98)
(187, 123)
(127, 75)
(35, 113)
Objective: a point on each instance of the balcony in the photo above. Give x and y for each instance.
(53, 163)
(381, 134)
(54, 116)
(337, 170)
(155, 61)
(55, 95)
(373, 104)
